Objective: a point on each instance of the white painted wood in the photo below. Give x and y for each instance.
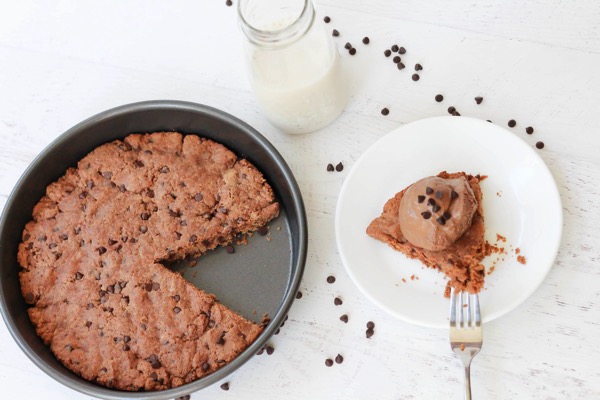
(536, 62)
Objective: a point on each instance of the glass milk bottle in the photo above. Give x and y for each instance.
(294, 66)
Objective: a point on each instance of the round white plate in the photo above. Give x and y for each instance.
(520, 202)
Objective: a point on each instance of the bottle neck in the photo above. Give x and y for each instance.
(275, 23)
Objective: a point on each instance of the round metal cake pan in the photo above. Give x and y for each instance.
(260, 278)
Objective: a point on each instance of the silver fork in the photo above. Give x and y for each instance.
(466, 334)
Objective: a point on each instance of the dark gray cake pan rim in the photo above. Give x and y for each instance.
(299, 246)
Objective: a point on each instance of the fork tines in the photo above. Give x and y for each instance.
(464, 309)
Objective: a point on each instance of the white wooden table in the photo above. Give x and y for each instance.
(537, 62)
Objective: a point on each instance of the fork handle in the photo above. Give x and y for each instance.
(468, 382)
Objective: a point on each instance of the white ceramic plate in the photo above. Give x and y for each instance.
(520, 202)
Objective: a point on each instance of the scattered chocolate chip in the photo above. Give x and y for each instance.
(451, 109)
(126, 347)
(330, 168)
(439, 194)
(387, 53)
(221, 339)
(148, 287)
(344, 318)
(369, 333)
(431, 201)
(441, 220)
(529, 130)
(453, 194)
(402, 50)
(539, 145)
(154, 362)
(225, 386)
(327, 19)
(193, 239)
(415, 77)
(512, 123)
(420, 198)
(366, 40)
(228, 3)
(64, 236)
(337, 301)
(401, 66)
(370, 325)
(187, 396)
(230, 250)
(396, 59)
(395, 48)
(299, 295)
(478, 99)
(339, 359)
(205, 366)
(329, 362)
(418, 67)
(88, 324)
(145, 216)
(122, 188)
(335, 33)
(330, 279)
(138, 164)
(439, 98)
(426, 214)
(101, 250)
(352, 51)
(385, 111)
(164, 170)
(489, 121)
(339, 167)
(269, 349)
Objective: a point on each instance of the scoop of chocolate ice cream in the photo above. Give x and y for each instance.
(435, 212)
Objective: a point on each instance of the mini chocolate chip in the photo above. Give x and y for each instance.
(327, 19)
(122, 188)
(138, 164)
(337, 301)
(143, 229)
(447, 215)
(428, 190)
(344, 318)
(339, 359)
(385, 111)
(103, 299)
(439, 98)
(402, 50)
(330, 168)
(52, 245)
(64, 236)
(415, 77)
(110, 289)
(107, 174)
(478, 99)
(126, 347)
(436, 208)
(26, 237)
(335, 33)
(453, 194)
(148, 287)
(263, 230)
(103, 369)
(418, 67)
(154, 362)
(187, 396)
(539, 145)
(155, 286)
(396, 59)
(89, 184)
(299, 295)
(439, 194)
(339, 167)
(451, 109)
(329, 362)
(225, 386)
(148, 152)
(221, 339)
(164, 170)
(193, 239)
(512, 123)
(420, 198)
(101, 250)
(441, 220)
(88, 324)
(426, 214)
(205, 366)
(369, 333)
(211, 323)
(90, 306)
(395, 48)
(347, 46)
(230, 249)
(228, 3)
(401, 66)
(431, 201)
(387, 53)
(145, 216)
(330, 279)
(352, 51)
(176, 298)
(529, 130)
(370, 325)
(126, 339)
(29, 298)
(83, 195)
